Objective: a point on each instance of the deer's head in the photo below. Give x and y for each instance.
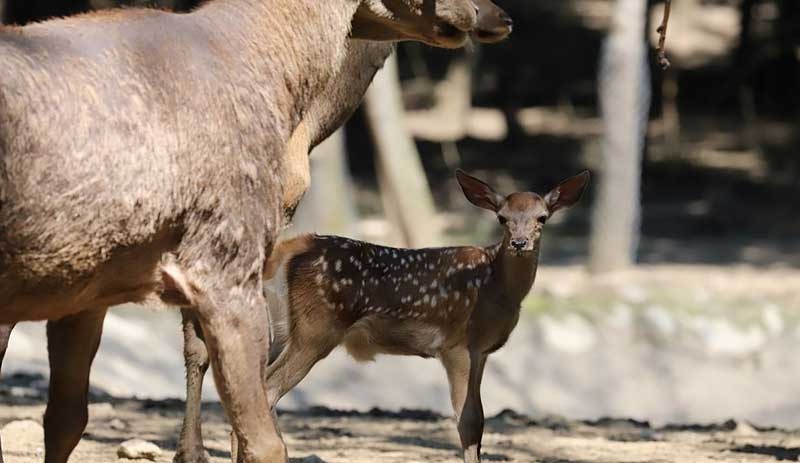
(494, 24)
(523, 214)
(441, 23)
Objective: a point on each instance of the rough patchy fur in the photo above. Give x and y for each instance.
(176, 131)
(169, 138)
(340, 98)
(159, 141)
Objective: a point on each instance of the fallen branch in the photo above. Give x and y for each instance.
(662, 36)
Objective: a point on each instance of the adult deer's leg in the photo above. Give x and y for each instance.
(237, 340)
(464, 373)
(5, 335)
(71, 343)
(291, 366)
(195, 356)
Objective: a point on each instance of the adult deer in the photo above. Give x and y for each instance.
(144, 152)
(327, 113)
(457, 304)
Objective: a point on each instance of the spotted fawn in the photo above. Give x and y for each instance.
(458, 304)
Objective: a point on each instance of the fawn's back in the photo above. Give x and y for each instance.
(377, 299)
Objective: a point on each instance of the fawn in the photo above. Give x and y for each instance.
(458, 304)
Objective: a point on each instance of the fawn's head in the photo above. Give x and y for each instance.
(494, 24)
(441, 23)
(523, 214)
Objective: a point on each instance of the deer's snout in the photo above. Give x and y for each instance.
(461, 15)
(494, 24)
(519, 243)
(506, 19)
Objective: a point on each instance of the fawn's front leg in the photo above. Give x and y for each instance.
(72, 343)
(195, 356)
(464, 373)
(5, 335)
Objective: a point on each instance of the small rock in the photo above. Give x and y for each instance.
(22, 430)
(745, 429)
(117, 424)
(100, 411)
(137, 449)
(24, 392)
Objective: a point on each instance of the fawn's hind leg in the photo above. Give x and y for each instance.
(464, 373)
(195, 356)
(301, 353)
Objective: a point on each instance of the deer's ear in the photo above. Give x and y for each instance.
(568, 192)
(478, 192)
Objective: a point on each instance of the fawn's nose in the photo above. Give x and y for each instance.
(519, 243)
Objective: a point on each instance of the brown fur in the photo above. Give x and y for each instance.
(170, 138)
(458, 304)
(494, 24)
(326, 113)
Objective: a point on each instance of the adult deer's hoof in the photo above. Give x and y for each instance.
(191, 457)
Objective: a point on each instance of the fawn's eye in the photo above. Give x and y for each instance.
(542, 219)
(502, 219)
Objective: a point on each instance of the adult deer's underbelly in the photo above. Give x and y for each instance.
(129, 275)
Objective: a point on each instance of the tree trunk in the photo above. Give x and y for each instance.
(329, 204)
(624, 105)
(401, 175)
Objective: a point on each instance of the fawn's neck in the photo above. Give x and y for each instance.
(514, 274)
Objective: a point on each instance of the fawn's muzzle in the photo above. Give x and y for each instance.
(519, 243)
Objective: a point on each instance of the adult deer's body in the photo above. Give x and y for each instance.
(458, 304)
(143, 152)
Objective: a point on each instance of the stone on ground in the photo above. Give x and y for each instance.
(137, 449)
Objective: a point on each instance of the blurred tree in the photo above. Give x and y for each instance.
(624, 87)
(404, 186)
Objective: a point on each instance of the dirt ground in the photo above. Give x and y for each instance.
(324, 435)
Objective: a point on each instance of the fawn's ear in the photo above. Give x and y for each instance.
(478, 192)
(567, 193)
